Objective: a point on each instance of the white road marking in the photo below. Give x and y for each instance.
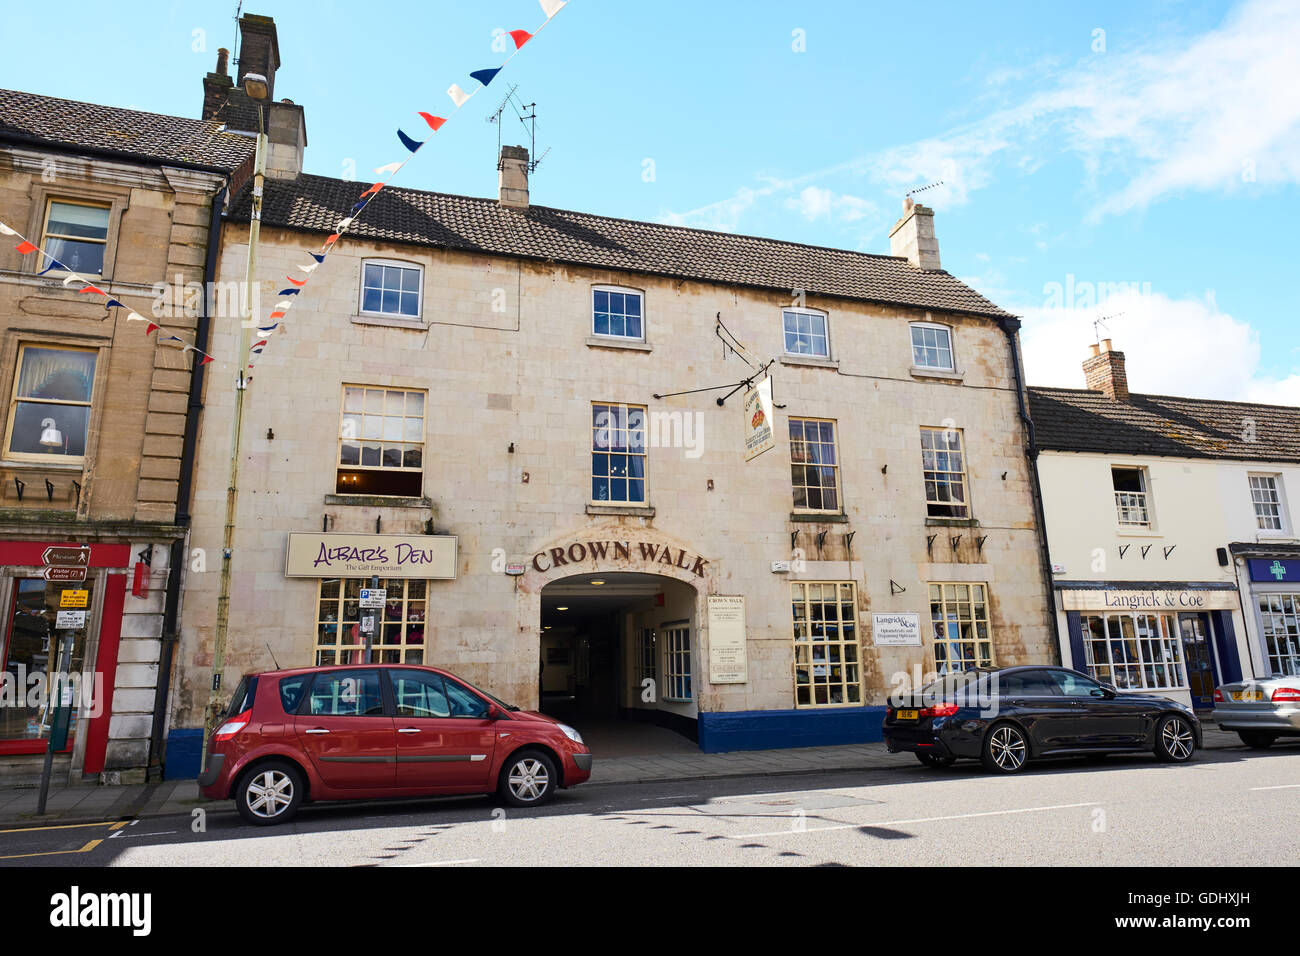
(1285, 786)
(440, 863)
(892, 823)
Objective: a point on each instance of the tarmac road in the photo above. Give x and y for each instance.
(1230, 807)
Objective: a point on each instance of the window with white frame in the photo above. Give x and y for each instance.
(943, 463)
(814, 465)
(827, 670)
(381, 442)
(1279, 616)
(76, 234)
(49, 410)
(932, 347)
(617, 313)
(806, 333)
(1266, 497)
(959, 621)
(677, 663)
(390, 288)
(1132, 506)
(1134, 651)
(618, 454)
(395, 634)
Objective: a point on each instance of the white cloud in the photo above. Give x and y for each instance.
(1218, 112)
(1172, 347)
(815, 203)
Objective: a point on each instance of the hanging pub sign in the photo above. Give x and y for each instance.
(310, 555)
(760, 435)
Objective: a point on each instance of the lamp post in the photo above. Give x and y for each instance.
(258, 90)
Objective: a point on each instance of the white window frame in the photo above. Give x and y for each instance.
(677, 686)
(1169, 640)
(396, 316)
(1143, 503)
(622, 290)
(952, 346)
(1278, 616)
(1279, 499)
(801, 310)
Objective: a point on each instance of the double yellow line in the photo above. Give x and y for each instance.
(66, 826)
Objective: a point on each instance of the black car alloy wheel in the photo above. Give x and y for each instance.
(1175, 741)
(1005, 749)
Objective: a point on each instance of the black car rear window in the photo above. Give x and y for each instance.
(244, 695)
(292, 690)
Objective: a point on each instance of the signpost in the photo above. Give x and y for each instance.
(374, 597)
(67, 557)
(59, 572)
(74, 598)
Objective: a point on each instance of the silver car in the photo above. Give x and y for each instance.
(1260, 710)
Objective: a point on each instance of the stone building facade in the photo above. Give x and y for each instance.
(98, 429)
(493, 411)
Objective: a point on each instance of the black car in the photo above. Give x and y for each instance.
(1007, 716)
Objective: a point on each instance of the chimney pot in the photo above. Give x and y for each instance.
(512, 177)
(1094, 349)
(1104, 372)
(223, 61)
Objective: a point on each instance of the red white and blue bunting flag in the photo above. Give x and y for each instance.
(459, 98)
(26, 247)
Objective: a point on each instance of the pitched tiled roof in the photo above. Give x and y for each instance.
(1072, 419)
(317, 203)
(150, 136)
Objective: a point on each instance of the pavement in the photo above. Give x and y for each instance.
(82, 805)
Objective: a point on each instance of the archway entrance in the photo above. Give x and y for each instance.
(617, 661)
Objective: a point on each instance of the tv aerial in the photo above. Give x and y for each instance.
(527, 116)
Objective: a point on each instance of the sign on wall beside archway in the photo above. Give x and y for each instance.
(728, 661)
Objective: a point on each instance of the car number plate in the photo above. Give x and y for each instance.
(908, 715)
(1247, 695)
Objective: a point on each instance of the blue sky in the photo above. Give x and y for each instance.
(1151, 143)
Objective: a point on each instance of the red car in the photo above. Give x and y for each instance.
(381, 730)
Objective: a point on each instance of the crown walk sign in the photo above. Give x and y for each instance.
(760, 435)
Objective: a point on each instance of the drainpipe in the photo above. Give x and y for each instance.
(1011, 327)
(176, 560)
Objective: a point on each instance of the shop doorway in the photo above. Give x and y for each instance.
(1198, 658)
(617, 661)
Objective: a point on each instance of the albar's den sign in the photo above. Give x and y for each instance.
(430, 556)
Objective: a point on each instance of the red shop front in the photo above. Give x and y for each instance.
(54, 620)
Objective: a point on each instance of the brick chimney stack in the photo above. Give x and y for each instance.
(913, 236)
(259, 49)
(1104, 371)
(217, 86)
(512, 181)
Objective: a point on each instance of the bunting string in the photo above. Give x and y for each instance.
(26, 247)
(386, 173)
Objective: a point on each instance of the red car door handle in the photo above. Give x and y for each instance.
(408, 730)
(318, 730)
